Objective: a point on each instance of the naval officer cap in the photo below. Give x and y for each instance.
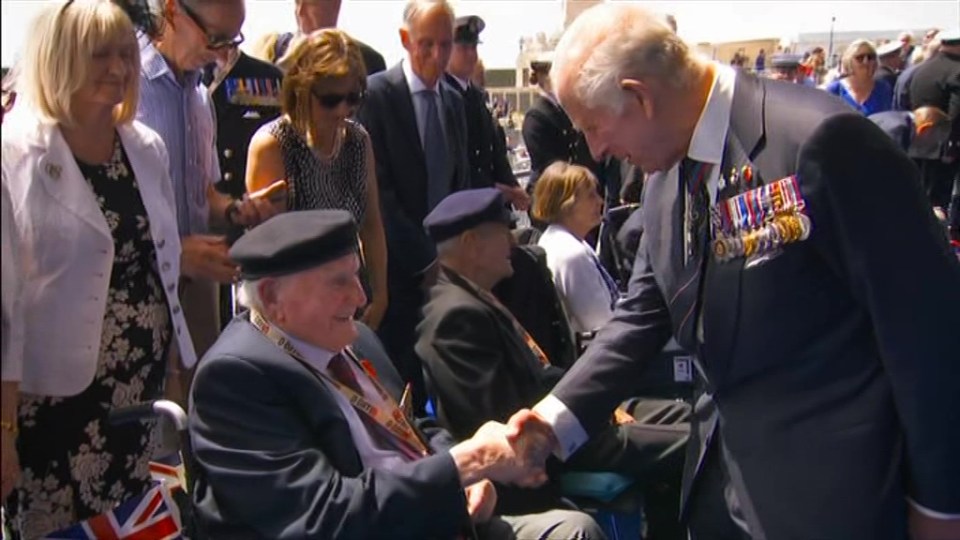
(467, 29)
(293, 242)
(950, 38)
(464, 210)
(888, 49)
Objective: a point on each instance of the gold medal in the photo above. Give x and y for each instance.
(806, 226)
(720, 249)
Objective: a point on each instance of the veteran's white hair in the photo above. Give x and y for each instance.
(612, 42)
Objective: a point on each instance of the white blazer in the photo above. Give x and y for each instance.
(67, 252)
(578, 280)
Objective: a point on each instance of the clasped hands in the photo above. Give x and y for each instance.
(513, 453)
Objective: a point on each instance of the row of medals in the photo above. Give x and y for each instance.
(760, 220)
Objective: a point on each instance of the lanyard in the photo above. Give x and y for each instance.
(390, 417)
(527, 338)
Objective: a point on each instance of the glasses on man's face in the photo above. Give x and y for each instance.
(865, 57)
(331, 100)
(214, 43)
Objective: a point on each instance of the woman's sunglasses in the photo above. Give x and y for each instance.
(331, 101)
(865, 57)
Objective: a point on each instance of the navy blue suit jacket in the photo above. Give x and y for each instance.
(277, 460)
(389, 117)
(833, 367)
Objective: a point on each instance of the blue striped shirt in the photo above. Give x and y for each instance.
(181, 112)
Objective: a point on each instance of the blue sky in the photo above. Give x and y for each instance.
(376, 21)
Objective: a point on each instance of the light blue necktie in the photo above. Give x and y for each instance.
(435, 151)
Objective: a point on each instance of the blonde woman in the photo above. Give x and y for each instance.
(566, 199)
(324, 156)
(95, 226)
(859, 88)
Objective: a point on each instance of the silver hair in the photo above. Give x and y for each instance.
(612, 42)
(448, 246)
(417, 8)
(249, 295)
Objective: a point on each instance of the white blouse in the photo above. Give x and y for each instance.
(578, 276)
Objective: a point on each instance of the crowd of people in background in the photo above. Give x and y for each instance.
(155, 176)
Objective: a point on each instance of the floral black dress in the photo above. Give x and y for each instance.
(74, 464)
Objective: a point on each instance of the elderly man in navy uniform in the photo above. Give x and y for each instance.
(486, 146)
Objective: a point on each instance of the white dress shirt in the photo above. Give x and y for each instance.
(586, 297)
(370, 455)
(416, 86)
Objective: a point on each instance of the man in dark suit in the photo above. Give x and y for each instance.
(831, 373)
(418, 131)
(486, 145)
(295, 438)
(484, 365)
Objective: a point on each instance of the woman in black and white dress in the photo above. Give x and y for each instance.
(325, 156)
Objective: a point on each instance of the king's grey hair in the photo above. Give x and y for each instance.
(612, 42)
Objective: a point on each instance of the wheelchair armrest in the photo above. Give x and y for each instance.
(601, 486)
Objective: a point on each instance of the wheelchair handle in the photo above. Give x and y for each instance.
(160, 407)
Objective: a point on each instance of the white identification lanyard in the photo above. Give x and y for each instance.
(390, 417)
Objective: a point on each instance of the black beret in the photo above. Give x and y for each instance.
(294, 241)
(467, 29)
(464, 210)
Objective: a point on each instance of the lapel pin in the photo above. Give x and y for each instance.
(53, 171)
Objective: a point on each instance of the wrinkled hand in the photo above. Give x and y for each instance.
(505, 462)
(373, 315)
(206, 257)
(481, 500)
(532, 436)
(9, 464)
(516, 196)
(923, 527)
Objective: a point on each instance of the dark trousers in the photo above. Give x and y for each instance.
(398, 333)
(652, 450)
(713, 511)
(938, 178)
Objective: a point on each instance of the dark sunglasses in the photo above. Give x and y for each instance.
(214, 43)
(331, 101)
(865, 57)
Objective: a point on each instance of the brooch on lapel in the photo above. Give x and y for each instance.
(53, 170)
(755, 224)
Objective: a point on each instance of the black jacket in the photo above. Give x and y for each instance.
(240, 114)
(486, 145)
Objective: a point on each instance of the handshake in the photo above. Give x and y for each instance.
(513, 453)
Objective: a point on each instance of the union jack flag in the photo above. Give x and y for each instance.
(151, 516)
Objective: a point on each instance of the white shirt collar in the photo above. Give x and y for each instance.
(318, 357)
(710, 133)
(413, 81)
